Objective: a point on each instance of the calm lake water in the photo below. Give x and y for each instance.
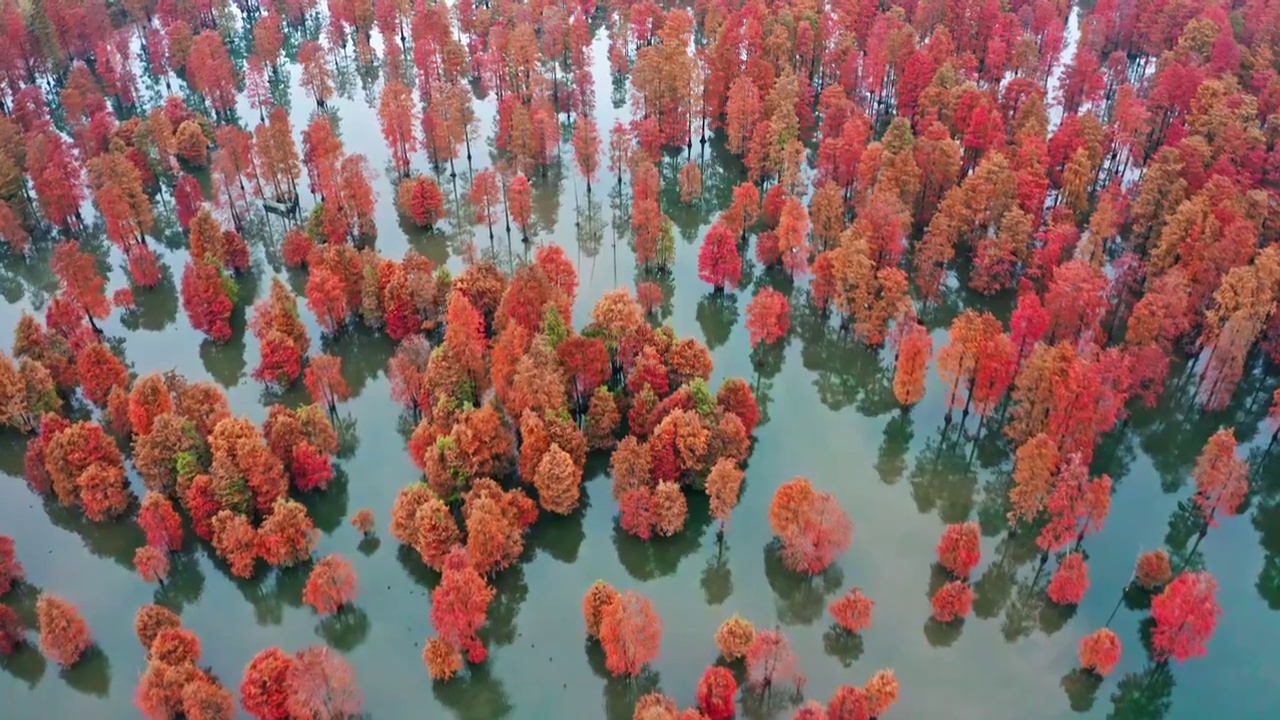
(829, 415)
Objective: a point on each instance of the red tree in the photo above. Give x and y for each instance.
(1099, 651)
(716, 692)
(324, 381)
(331, 585)
(460, 605)
(520, 203)
(811, 526)
(12, 632)
(419, 198)
(1186, 614)
(952, 601)
(80, 281)
(207, 300)
(771, 663)
(1070, 581)
(322, 685)
(630, 633)
(100, 370)
(64, 636)
(960, 548)
(719, 263)
(10, 569)
(768, 316)
(160, 522)
(264, 689)
(1153, 570)
(235, 541)
(852, 611)
(1222, 478)
(152, 563)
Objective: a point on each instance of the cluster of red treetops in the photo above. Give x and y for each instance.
(885, 145)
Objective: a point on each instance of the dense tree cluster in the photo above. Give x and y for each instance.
(1120, 196)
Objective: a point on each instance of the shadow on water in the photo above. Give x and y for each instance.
(26, 664)
(91, 675)
(345, 630)
(115, 541)
(799, 599)
(1081, 687)
(1145, 695)
(474, 695)
(842, 645)
(891, 460)
(717, 315)
(328, 509)
(185, 583)
(717, 578)
(661, 556)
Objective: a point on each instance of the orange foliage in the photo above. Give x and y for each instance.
(558, 481)
(235, 541)
(150, 621)
(631, 634)
(734, 638)
(64, 636)
(443, 659)
(287, 536)
(330, 585)
(852, 611)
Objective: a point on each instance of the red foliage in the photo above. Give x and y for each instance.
(630, 633)
(206, 300)
(952, 601)
(811, 526)
(1153, 570)
(174, 646)
(144, 268)
(10, 569)
(852, 611)
(637, 517)
(287, 536)
(204, 699)
(100, 370)
(1099, 651)
(443, 660)
(187, 198)
(297, 247)
(716, 692)
(331, 585)
(768, 316)
(150, 621)
(960, 548)
(104, 491)
(64, 636)
(558, 480)
(310, 468)
(160, 522)
(599, 596)
(152, 563)
(558, 270)
(585, 362)
(1186, 614)
(264, 689)
(363, 521)
(420, 198)
(460, 605)
(79, 279)
(327, 299)
(235, 541)
(719, 263)
(1070, 581)
(649, 295)
(12, 632)
(281, 361)
(324, 381)
(771, 663)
